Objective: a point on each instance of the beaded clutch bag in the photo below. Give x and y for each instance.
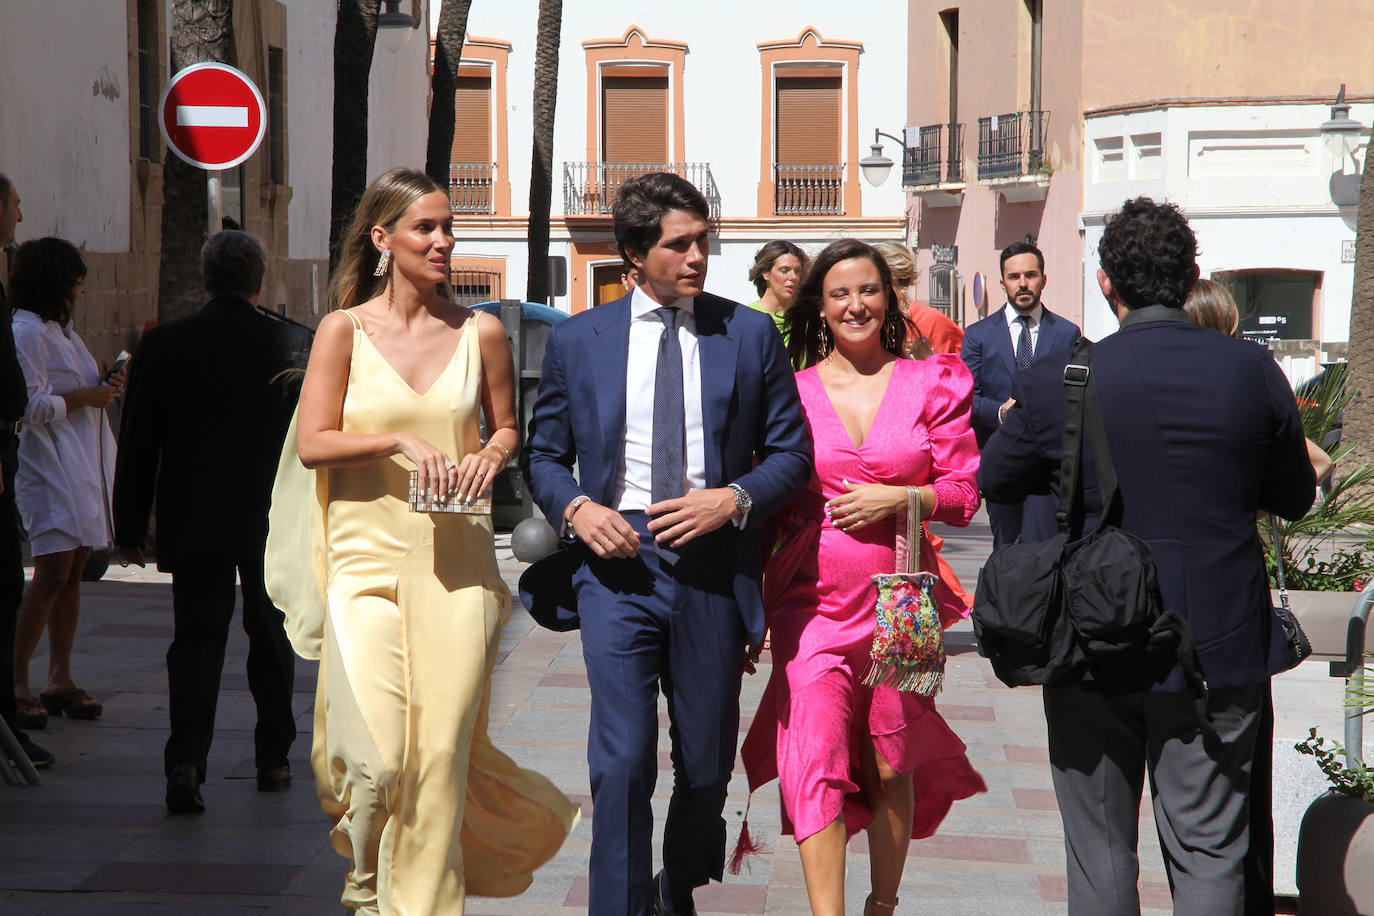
(418, 503)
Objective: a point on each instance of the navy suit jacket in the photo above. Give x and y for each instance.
(1204, 433)
(755, 433)
(988, 353)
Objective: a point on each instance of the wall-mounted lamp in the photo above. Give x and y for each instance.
(875, 165)
(1342, 136)
(394, 28)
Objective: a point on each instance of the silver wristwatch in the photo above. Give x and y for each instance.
(743, 501)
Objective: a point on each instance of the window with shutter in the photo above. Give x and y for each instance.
(634, 118)
(808, 120)
(471, 160)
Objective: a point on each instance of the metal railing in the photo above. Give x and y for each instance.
(808, 190)
(469, 186)
(938, 156)
(472, 285)
(590, 188)
(1011, 145)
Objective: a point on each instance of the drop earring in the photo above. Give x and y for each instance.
(822, 346)
(383, 263)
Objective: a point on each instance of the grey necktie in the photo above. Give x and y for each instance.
(670, 434)
(1024, 351)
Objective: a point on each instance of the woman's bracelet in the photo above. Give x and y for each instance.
(504, 451)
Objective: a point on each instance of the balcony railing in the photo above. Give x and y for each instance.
(808, 190)
(938, 156)
(469, 186)
(1011, 145)
(590, 188)
(472, 285)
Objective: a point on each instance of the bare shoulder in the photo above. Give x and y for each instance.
(490, 330)
(334, 334)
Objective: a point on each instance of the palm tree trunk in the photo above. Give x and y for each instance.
(541, 165)
(1359, 414)
(355, 38)
(201, 31)
(448, 51)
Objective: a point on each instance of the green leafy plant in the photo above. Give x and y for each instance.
(1331, 548)
(1356, 781)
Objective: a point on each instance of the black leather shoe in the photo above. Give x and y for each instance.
(183, 790)
(40, 757)
(274, 779)
(664, 907)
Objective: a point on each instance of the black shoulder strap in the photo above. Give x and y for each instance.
(1083, 419)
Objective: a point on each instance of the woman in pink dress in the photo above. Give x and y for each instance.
(849, 757)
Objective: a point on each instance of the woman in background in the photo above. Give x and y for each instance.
(778, 271)
(412, 602)
(933, 331)
(66, 465)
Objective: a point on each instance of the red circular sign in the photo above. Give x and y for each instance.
(212, 116)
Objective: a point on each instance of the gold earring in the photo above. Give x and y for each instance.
(383, 263)
(822, 345)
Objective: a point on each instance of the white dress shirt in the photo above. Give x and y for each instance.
(1014, 326)
(634, 481)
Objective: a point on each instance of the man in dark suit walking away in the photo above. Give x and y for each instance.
(1204, 433)
(204, 417)
(682, 414)
(995, 349)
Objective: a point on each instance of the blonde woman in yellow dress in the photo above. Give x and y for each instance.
(405, 608)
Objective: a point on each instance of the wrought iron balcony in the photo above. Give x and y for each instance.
(590, 188)
(1011, 145)
(808, 190)
(937, 157)
(469, 186)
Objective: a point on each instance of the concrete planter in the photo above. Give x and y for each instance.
(1335, 849)
(1325, 618)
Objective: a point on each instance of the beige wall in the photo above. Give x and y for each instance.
(1237, 48)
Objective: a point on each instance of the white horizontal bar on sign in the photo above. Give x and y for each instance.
(211, 116)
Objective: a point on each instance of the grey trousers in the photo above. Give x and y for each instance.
(1101, 748)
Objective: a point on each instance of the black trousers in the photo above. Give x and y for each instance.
(11, 574)
(203, 603)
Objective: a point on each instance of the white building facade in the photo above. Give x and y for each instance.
(768, 117)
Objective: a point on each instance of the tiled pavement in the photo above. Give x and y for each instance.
(95, 839)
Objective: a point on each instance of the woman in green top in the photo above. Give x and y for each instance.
(778, 271)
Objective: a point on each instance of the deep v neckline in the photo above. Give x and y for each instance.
(877, 415)
(453, 357)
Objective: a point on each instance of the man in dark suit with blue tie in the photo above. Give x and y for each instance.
(995, 349)
(1204, 433)
(682, 415)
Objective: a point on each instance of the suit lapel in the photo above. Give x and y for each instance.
(1003, 341)
(718, 351)
(610, 348)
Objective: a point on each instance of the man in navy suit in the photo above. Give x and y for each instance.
(1204, 433)
(682, 415)
(995, 349)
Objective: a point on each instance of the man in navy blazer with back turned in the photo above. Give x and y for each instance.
(682, 415)
(1204, 433)
(995, 349)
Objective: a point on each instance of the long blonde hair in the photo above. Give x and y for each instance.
(1210, 305)
(383, 203)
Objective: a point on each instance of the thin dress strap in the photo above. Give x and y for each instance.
(357, 324)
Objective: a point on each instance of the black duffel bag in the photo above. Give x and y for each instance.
(1044, 613)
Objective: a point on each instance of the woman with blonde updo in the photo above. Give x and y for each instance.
(931, 330)
(405, 607)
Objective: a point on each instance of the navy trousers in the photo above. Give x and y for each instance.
(649, 626)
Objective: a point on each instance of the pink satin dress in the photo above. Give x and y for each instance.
(819, 599)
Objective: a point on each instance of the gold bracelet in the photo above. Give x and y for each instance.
(504, 451)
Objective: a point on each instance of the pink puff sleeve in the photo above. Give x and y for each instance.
(953, 448)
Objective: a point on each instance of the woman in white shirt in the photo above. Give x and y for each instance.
(66, 463)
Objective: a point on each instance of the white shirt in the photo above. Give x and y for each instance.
(634, 481)
(66, 460)
(1014, 326)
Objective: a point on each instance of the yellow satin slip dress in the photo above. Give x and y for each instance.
(423, 804)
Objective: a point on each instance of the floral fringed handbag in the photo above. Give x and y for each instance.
(908, 643)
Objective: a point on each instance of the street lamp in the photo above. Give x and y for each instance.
(1341, 136)
(394, 28)
(875, 165)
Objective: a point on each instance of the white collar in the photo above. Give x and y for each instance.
(1037, 314)
(641, 305)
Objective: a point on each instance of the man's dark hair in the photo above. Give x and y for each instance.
(44, 278)
(644, 201)
(1149, 253)
(6, 186)
(232, 263)
(1016, 248)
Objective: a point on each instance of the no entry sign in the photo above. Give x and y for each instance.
(212, 116)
